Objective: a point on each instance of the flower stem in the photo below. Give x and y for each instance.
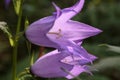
(15, 47)
(32, 58)
(14, 61)
(19, 20)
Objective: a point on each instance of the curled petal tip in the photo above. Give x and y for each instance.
(57, 9)
(67, 13)
(78, 6)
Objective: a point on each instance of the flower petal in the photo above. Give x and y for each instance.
(73, 30)
(77, 60)
(58, 10)
(36, 32)
(49, 66)
(68, 13)
(77, 69)
(70, 47)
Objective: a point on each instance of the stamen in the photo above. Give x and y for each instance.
(56, 33)
(65, 60)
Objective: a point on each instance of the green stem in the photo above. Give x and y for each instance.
(32, 58)
(14, 61)
(19, 19)
(15, 47)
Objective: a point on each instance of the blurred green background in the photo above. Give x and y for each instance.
(103, 14)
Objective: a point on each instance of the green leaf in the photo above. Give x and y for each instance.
(27, 77)
(5, 29)
(111, 62)
(112, 48)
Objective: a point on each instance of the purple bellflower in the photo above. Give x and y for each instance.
(56, 64)
(59, 31)
(55, 30)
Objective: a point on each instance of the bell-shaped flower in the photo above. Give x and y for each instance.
(58, 29)
(56, 64)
